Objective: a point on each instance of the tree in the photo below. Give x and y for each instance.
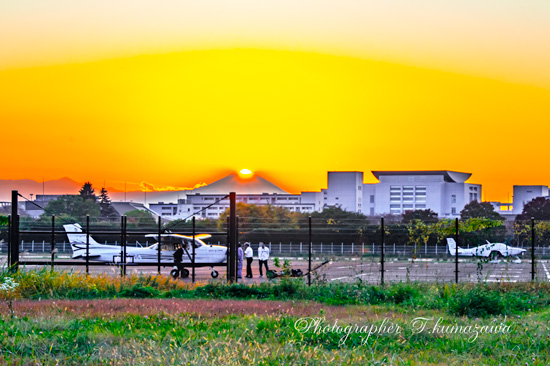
(483, 210)
(538, 208)
(87, 192)
(107, 210)
(426, 216)
(140, 218)
(71, 208)
(261, 217)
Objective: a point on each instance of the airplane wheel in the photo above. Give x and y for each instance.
(184, 273)
(175, 273)
(215, 274)
(494, 255)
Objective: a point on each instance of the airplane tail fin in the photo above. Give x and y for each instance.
(451, 244)
(77, 238)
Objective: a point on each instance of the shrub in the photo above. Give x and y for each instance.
(478, 302)
(139, 291)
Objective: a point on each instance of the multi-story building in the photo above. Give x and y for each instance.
(444, 192)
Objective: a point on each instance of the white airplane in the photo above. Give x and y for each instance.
(489, 250)
(205, 255)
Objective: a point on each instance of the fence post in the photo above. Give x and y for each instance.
(394, 248)
(456, 250)
(321, 247)
(280, 248)
(352, 251)
(425, 248)
(125, 244)
(342, 247)
(533, 249)
(43, 246)
(435, 248)
(53, 240)
(193, 269)
(121, 244)
(300, 247)
(309, 260)
(382, 252)
(159, 241)
(290, 247)
(87, 244)
(331, 248)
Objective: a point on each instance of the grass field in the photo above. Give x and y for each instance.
(66, 318)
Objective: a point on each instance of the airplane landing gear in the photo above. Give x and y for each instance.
(175, 273)
(214, 273)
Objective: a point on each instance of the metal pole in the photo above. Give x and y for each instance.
(237, 243)
(87, 244)
(9, 239)
(159, 244)
(456, 250)
(53, 240)
(310, 245)
(228, 251)
(193, 268)
(14, 263)
(124, 243)
(232, 237)
(532, 249)
(382, 251)
(121, 244)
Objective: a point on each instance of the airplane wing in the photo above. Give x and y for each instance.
(198, 236)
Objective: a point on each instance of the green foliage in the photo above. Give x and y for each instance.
(139, 291)
(107, 211)
(261, 217)
(71, 208)
(3, 220)
(87, 192)
(538, 208)
(137, 218)
(477, 303)
(426, 216)
(484, 210)
(340, 217)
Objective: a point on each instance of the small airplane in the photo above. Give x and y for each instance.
(205, 255)
(489, 250)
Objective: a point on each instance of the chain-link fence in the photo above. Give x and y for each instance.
(488, 251)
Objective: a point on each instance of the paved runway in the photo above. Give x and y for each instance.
(368, 270)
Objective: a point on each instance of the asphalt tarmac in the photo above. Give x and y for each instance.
(367, 270)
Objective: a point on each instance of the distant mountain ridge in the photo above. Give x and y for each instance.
(230, 183)
(26, 187)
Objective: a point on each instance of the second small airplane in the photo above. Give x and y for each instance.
(489, 250)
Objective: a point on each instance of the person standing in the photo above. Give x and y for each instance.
(248, 254)
(239, 261)
(178, 258)
(263, 257)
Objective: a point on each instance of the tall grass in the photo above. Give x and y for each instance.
(472, 300)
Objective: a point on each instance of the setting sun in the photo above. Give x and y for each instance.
(245, 173)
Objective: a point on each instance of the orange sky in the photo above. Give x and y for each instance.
(180, 95)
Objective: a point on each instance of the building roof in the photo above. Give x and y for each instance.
(448, 176)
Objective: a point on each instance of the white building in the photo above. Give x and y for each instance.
(212, 205)
(444, 192)
(524, 194)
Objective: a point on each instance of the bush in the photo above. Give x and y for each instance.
(139, 291)
(478, 302)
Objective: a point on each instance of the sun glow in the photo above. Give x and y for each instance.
(245, 173)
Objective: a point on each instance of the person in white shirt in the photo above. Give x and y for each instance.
(263, 256)
(248, 254)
